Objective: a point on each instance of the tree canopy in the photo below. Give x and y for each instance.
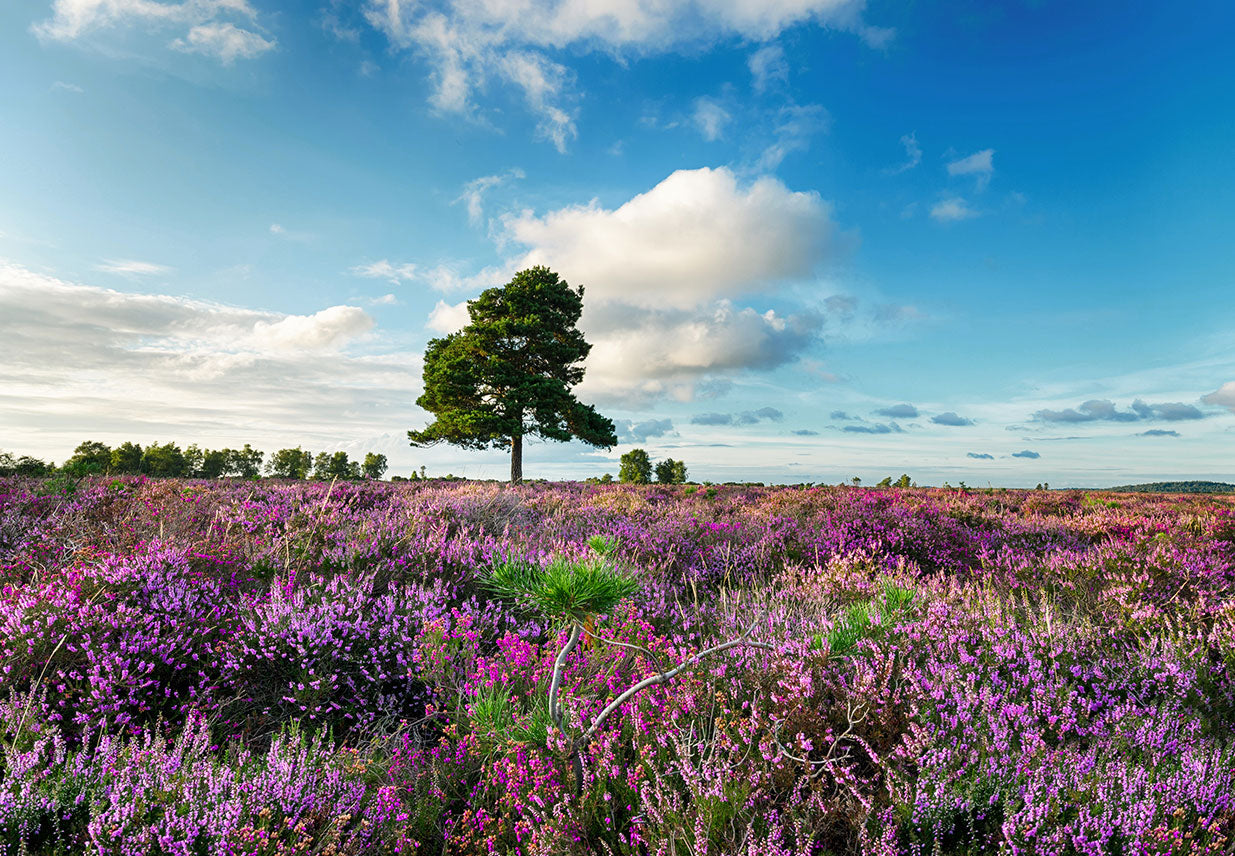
(509, 372)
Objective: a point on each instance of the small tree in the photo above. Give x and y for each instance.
(193, 457)
(508, 373)
(904, 480)
(126, 458)
(635, 467)
(374, 466)
(245, 463)
(215, 463)
(166, 460)
(670, 471)
(290, 464)
(89, 458)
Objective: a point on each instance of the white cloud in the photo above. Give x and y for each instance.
(394, 273)
(1223, 396)
(204, 24)
(767, 66)
(794, 126)
(474, 191)
(696, 237)
(448, 318)
(952, 210)
(469, 43)
(913, 154)
(710, 118)
(61, 86)
(290, 235)
(979, 164)
(88, 361)
(225, 41)
(130, 267)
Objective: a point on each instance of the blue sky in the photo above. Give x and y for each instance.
(819, 238)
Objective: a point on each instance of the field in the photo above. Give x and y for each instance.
(271, 667)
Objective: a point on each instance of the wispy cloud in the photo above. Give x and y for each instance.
(1026, 453)
(61, 86)
(470, 45)
(710, 118)
(205, 26)
(768, 67)
(132, 267)
(982, 456)
(913, 155)
(392, 272)
(951, 419)
(980, 165)
(475, 190)
(952, 210)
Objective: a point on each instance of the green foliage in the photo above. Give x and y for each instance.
(290, 464)
(857, 621)
(89, 458)
(1177, 487)
(635, 467)
(245, 463)
(903, 481)
(166, 461)
(126, 458)
(509, 372)
(374, 466)
(565, 588)
(23, 466)
(886, 482)
(670, 471)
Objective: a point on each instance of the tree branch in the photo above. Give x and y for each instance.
(663, 677)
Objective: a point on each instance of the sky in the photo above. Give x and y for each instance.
(818, 239)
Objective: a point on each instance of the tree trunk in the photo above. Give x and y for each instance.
(516, 459)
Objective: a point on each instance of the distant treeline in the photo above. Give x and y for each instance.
(168, 460)
(1177, 487)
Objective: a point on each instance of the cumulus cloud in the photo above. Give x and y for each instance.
(768, 67)
(951, 210)
(88, 359)
(1105, 410)
(710, 118)
(979, 164)
(651, 354)
(447, 317)
(131, 267)
(664, 273)
(1158, 432)
(898, 411)
(207, 26)
(745, 417)
(1026, 453)
(698, 235)
(842, 415)
(877, 428)
(982, 456)
(1223, 396)
(952, 419)
(806, 432)
(640, 432)
(470, 45)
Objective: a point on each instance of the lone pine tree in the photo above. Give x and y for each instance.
(509, 372)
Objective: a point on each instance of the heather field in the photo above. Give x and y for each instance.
(194, 667)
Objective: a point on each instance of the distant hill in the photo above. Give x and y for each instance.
(1177, 487)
